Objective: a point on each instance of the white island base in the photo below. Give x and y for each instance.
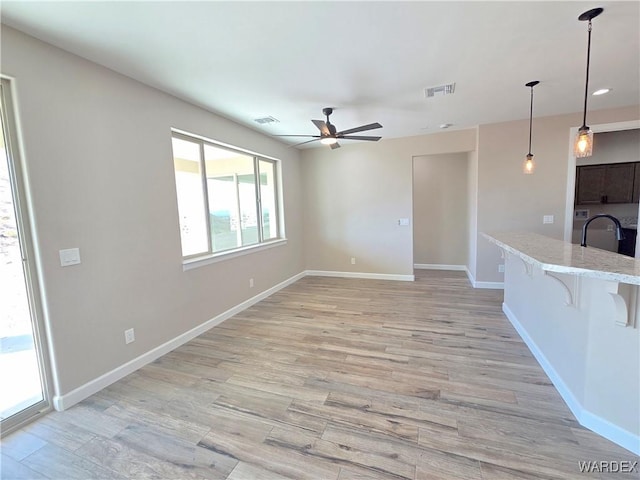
(581, 324)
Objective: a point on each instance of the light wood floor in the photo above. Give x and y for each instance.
(329, 379)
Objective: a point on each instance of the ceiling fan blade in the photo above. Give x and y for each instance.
(322, 127)
(309, 136)
(308, 141)
(334, 146)
(358, 137)
(362, 128)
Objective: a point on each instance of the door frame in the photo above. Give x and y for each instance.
(571, 172)
(25, 224)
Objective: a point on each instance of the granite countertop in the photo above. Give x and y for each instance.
(559, 256)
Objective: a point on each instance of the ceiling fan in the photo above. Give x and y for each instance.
(329, 135)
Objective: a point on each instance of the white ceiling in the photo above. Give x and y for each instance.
(369, 60)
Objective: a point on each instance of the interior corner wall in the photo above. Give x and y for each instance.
(440, 209)
(354, 197)
(510, 200)
(97, 153)
(472, 209)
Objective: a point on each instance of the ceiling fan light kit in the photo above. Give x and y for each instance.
(583, 146)
(330, 136)
(328, 141)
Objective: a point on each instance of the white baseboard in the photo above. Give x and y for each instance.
(563, 390)
(370, 276)
(491, 285)
(439, 266)
(587, 419)
(471, 278)
(610, 431)
(62, 402)
(67, 400)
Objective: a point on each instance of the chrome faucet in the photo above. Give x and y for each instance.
(619, 232)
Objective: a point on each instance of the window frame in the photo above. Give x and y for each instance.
(211, 256)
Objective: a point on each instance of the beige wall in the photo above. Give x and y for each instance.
(510, 200)
(440, 209)
(97, 148)
(355, 195)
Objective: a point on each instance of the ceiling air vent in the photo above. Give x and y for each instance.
(265, 120)
(440, 90)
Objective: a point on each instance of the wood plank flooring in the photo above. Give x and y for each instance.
(329, 379)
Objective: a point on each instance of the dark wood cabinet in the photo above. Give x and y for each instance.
(608, 183)
(636, 186)
(589, 184)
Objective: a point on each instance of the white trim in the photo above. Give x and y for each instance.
(563, 390)
(62, 402)
(472, 280)
(587, 419)
(488, 285)
(208, 259)
(371, 276)
(439, 266)
(610, 431)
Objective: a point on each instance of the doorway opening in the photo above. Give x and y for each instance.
(22, 369)
(606, 183)
(441, 211)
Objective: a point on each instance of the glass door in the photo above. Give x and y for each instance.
(22, 374)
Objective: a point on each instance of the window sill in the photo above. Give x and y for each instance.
(222, 256)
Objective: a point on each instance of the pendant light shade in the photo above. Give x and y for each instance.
(529, 165)
(583, 145)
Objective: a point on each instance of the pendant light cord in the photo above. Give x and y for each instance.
(530, 119)
(586, 83)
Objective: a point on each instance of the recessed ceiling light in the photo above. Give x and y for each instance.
(446, 125)
(602, 91)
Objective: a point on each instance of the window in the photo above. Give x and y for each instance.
(227, 198)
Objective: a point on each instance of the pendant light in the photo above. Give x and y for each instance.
(583, 146)
(529, 165)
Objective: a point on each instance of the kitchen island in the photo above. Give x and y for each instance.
(576, 309)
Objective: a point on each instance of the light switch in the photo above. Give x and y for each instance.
(69, 256)
(547, 219)
(403, 222)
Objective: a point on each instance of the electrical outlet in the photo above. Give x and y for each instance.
(501, 268)
(353, 260)
(129, 336)
(251, 283)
